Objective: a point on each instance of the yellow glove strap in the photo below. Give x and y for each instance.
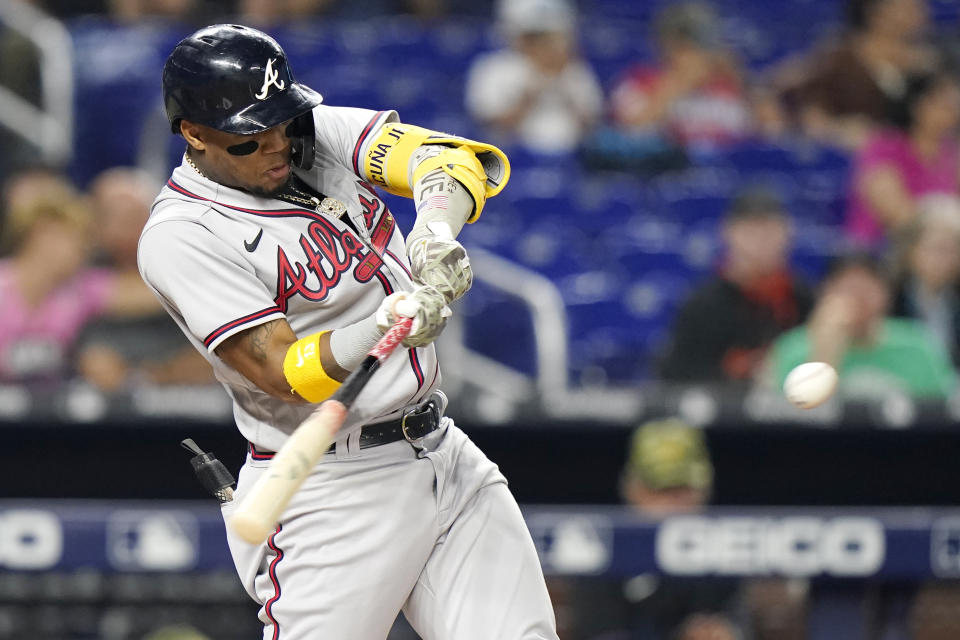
(304, 372)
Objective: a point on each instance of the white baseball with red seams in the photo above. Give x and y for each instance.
(810, 384)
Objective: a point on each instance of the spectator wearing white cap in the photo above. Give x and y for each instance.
(538, 91)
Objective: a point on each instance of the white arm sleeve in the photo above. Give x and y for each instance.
(443, 206)
(204, 281)
(349, 345)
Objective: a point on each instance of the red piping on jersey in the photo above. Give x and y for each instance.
(363, 136)
(414, 361)
(256, 315)
(258, 455)
(417, 369)
(369, 187)
(400, 263)
(268, 607)
(418, 372)
(306, 213)
(383, 281)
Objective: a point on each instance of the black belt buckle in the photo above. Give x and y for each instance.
(403, 426)
(429, 406)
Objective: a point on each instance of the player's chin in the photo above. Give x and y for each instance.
(279, 173)
(275, 180)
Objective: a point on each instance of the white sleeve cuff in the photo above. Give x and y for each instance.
(349, 345)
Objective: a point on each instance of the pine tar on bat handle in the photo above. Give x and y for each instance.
(211, 473)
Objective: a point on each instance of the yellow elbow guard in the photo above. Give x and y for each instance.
(304, 372)
(480, 167)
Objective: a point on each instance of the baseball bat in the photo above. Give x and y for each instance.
(257, 516)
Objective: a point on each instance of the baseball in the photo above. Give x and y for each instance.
(810, 384)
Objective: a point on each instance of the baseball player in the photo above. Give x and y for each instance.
(273, 252)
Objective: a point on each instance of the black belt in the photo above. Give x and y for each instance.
(414, 424)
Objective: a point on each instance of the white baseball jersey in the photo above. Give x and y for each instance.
(223, 260)
(428, 528)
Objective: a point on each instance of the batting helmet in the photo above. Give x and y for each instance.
(237, 79)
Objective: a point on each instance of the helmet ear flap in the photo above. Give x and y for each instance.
(303, 140)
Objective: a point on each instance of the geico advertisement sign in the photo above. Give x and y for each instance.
(30, 539)
(794, 546)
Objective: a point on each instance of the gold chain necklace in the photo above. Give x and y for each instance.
(330, 206)
(195, 167)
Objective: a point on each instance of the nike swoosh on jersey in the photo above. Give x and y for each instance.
(252, 246)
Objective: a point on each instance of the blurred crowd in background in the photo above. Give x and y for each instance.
(876, 90)
(879, 89)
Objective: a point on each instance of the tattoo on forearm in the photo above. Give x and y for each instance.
(259, 338)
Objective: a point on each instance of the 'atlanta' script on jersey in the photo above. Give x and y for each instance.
(329, 252)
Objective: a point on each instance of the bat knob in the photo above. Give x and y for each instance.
(211, 473)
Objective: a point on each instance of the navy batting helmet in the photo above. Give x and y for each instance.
(237, 79)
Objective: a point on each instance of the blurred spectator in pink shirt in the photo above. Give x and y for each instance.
(119, 351)
(47, 293)
(23, 186)
(900, 165)
(695, 94)
(47, 290)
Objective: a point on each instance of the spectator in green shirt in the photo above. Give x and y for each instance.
(850, 328)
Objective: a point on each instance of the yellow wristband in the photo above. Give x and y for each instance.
(304, 371)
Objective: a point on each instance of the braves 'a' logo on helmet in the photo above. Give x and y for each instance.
(270, 77)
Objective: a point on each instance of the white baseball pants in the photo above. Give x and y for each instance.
(433, 532)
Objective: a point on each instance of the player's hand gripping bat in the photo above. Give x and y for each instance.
(257, 515)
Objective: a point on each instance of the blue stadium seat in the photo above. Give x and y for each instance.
(798, 156)
(590, 287)
(712, 181)
(541, 191)
(656, 294)
(500, 327)
(609, 356)
(453, 43)
(552, 247)
(605, 339)
(638, 264)
(612, 197)
(310, 45)
(645, 231)
(697, 209)
(117, 85)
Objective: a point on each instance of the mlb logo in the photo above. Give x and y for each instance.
(152, 540)
(945, 547)
(574, 544)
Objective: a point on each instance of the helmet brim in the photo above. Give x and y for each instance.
(278, 108)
